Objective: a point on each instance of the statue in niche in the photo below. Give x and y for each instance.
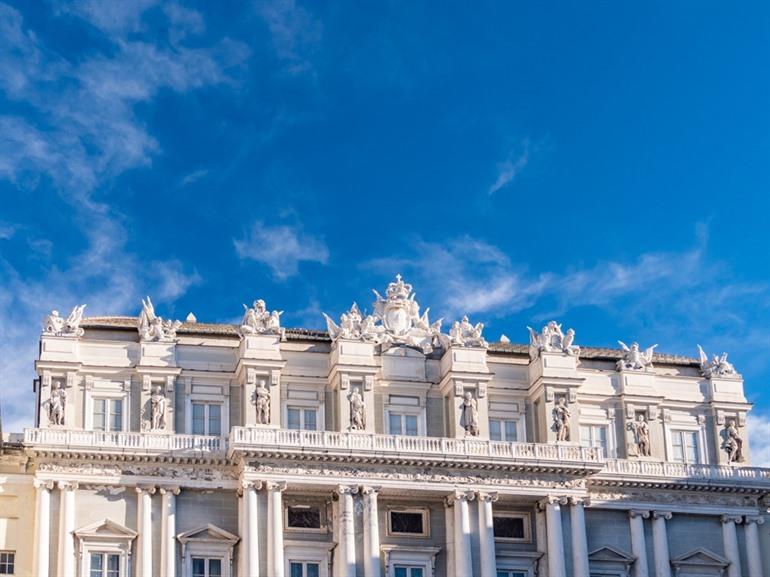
(57, 404)
(718, 366)
(561, 420)
(733, 443)
(641, 430)
(57, 326)
(158, 405)
(263, 403)
(357, 410)
(464, 334)
(469, 415)
(257, 320)
(634, 359)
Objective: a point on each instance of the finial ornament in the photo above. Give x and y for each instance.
(634, 359)
(154, 328)
(718, 366)
(55, 325)
(551, 339)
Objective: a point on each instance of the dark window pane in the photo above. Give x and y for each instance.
(509, 527)
(198, 567)
(402, 522)
(295, 570)
(304, 517)
(215, 568)
(313, 570)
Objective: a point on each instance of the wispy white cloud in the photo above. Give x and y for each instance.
(511, 167)
(193, 177)
(295, 32)
(759, 439)
(281, 248)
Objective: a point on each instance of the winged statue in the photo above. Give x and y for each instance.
(634, 359)
(718, 366)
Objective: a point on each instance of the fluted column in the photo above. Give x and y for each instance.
(66, 566)
(371, 533)
(638, 543)
(346, 531)
(555, 538)
(42, 527)
(168, 529)
(487, 534)
(753, 551)
(579, 538)
(462, 525)
(660, 543)
(730, 538)
(144, 520)
(275, 561)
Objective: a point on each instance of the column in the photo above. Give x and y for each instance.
(144, 521)
(252, 531)
(42, 527)
(660, 543)
(638, 543)
(730, 538)
(487, 534)
(275, 561)
(346, 531)
(168, 529)
(449, 534)
(462, 525)
(753, 551)
(555, 538)
(66, 527)
(579, 538)
(371, 533)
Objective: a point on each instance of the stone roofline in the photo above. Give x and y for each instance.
(318, 335)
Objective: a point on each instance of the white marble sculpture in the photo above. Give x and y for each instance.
(60, 327)
(733, 443)
(158, 405)
(464, 334)
(641, 432)
(551, 339)
(57, 405)
(469, 415)
(257, 320)
(353, 326)
(154, 328)
(718, 366)
(561, 420)
(262, 401)
(357, 411)
(634, 359)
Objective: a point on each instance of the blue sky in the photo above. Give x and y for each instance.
(606, 164)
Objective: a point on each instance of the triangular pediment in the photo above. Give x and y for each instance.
(609, 553)
(105, 529)
(702, 557)
(209, 533)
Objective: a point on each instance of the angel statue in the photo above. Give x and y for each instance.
(716, 367)
(634, 359)
(69, 327)
(154, 328)
(551, 339)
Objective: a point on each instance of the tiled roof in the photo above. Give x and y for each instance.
(299, 334)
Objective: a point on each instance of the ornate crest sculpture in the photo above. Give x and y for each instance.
(257, 320)
(154, 328)
(551, 339)
(464, 334)
(634, 359)
(717, 366)
(69, 327)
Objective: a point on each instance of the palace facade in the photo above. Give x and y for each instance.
(381, 447)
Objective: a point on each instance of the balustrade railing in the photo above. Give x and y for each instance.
(122, 441)
(679, 471)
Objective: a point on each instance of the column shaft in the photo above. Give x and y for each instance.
(579, 539)
(660, 544)
(144, 517)
(252, 534)
(730, 538)
(346, 532)
(42, 529)
(463, 552)
(487, 534)
(168, 531)
(556, 565)
(753, 551)
(638, 543)
(275, 561)
(371, 533)
(66, 527)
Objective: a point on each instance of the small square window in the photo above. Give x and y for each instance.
(303, 569)
(7, 562)
(408, 522)
(303, 517)
(511, 527)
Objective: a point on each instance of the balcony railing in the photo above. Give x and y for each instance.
(636, 469)
(246, 438)
(124, 442)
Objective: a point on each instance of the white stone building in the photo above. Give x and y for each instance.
(384, 447)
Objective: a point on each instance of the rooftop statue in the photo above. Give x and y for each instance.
(353, 326)
(634, 359)
(551, 339)
(464, 334)
(717, 366)
(69, 327)
(257, 320)
(154, 328)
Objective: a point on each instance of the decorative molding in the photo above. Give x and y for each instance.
(737, 519)
(667, 515)
(633, 513)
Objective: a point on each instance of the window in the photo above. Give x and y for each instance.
(403, 415)
(108, 414)
(400, 424)
(510, 573)
(206, 419)
(7, 562)
(511, 526)
(299, 418)
(594, 436)
(408, 571)
(104, 564)
(304, 569)
(684, 445)
(303, 517)
(206, 567)
(408, 522)
(503, 430)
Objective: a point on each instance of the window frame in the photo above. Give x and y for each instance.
(12, 561)
(105, 555)
(107, 390)
(527, 519)
(308, 552)
(301, 504)
(104, 537)
(302, 420)
(674, 421)
(223, 425)
(424, 511)
(218, 544)
(404, 409)
(680, 432)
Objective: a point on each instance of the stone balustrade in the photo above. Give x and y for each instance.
(683, 472)
(119, 441)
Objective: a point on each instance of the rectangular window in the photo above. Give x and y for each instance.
(104, 564)
(108, 414)
(402, 424)
(303, 517)
(511, 526)
(408, 522)
(206, 567)
(503, 430)
(685, 446)
(594, 436)
(207, 419)
(408, 571)
(300, 418)
(7, 562)
(304, 569)
(510, 573)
